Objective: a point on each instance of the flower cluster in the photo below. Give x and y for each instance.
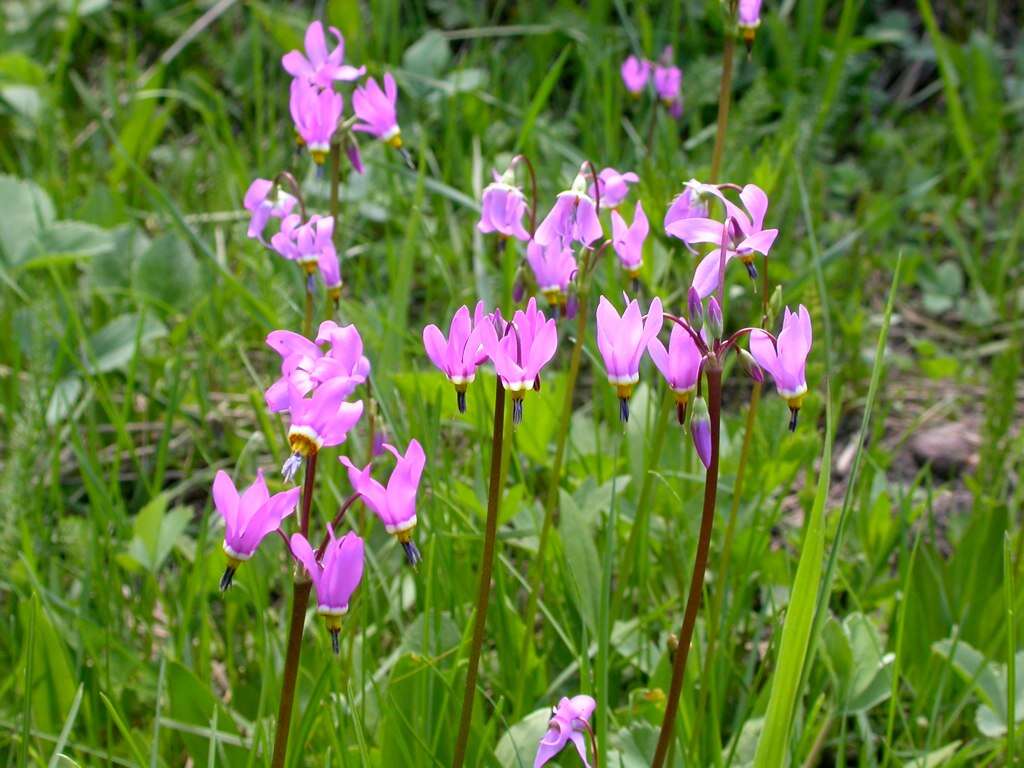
(666, 78)
(317, 111)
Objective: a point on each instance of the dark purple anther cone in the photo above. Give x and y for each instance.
(793, 413)
(636, 286)
(335, 642)
(751, 270)
(460, 398)
(517, 411)
(412, 555)
(681, 413)
(624, 409)
(225, 580)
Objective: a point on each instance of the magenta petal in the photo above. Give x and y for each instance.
(304, 554)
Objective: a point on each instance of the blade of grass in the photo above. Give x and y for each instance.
(126, 734)
(65, 731)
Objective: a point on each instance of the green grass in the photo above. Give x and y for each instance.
(133, 311)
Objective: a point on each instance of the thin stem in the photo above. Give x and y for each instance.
(486, 568)
(533, 190)
(724, 98)
(300, 601)
(336, 522)
(554, 484)
(335, 182)
(714, 376)
(593, 747)
(307, 315)
(650, 126)
(371, 419)
(597, 187)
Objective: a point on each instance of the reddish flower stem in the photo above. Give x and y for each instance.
(486, 569)
(300, 601)
(713, 371)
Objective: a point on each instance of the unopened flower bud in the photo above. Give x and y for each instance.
(508, 178)
(775, 302)
(695, 309)
(750, 366)
(580, 184)
(700, 430)
(714, 318)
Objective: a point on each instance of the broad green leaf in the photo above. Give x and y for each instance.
(192, 703)
(53, 681)
(582, 563)
(518, 745)
(428, 56)
(113, 346)
(63, 400)
(26, 210)
(167, 272)
(155, 532)
(67, 241)
(111, 270)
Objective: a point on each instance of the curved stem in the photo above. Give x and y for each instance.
(714, 376)
(533, 190)
(593, 747)
(336, 522)
(286, 177)
(554, 484)
(597, 187)
(486, 568)
(300, 601)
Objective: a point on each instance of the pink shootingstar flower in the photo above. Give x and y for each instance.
(668, 83)
(622, 342)
(635, 73)
(335, 576)
(700, 430)
(304, 365)
(396, 504)
(686, 205)
(376, 109)
(248, 517)
(749, 19)
(519, 350)
(570, 720)
(316, 112)
(305, 243)
(503, 207)
(320, 421)
(553, 266)
(263, 201)
(330, 272)
(628, 241)
(318, 67)
(679, 364)
(786, 358)
(573, 217)
(743, 233)
(461, 353)
(613, 186)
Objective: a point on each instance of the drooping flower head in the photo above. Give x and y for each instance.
(679, 364)
(749, 19)
(318, 67)
(306, 243)
(613, 186)
(519, 350)
(554, 266)
(248, 517)
(635, 73)
(316, 112)
(785, 358)
(622, 341)
(304, 365)
(263, 199)
(461, 353)
(320, 421)
(688, 204)
(573, 219)
(503, 206)
(570, 720)
(628, 241)
(376, 109)
(330, 273)
(395, 505)
(668, 82)
(742, 232)
(335, 576)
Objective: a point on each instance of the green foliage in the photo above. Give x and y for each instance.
(878, 630)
